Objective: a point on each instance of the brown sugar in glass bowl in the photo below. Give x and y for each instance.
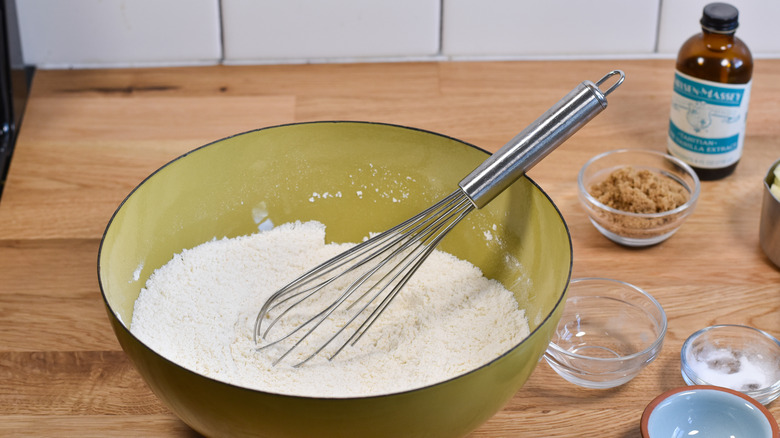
(637, 197)
(639, 191)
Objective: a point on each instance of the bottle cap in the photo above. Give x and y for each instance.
(720, 17)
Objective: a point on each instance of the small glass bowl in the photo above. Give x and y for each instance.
(737, 357)
(637, 229)
(608, 333)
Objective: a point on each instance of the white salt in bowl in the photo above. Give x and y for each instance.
(637, 229)
(737, 357)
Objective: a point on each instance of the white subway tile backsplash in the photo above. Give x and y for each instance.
(66, 33)
(475, 28)
(680, 20)
(294, 29)
(111, 33)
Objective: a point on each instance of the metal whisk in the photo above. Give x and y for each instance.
(359, 284)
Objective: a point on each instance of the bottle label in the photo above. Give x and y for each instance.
(707, 121)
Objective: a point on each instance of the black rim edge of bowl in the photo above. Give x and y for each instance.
(161, 168)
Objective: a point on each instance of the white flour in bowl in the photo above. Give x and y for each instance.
(199, 311)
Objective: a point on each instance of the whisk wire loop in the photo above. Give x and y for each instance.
(427, 245)
(295, 288)
(422, 244)
(411, 242)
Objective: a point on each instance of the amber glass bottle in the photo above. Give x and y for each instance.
(711, 94)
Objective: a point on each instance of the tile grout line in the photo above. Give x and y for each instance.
(658, 26)
(221, 23)
(440, 50)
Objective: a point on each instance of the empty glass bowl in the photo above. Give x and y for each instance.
(737, 357)
(637, 229)
(609, 331)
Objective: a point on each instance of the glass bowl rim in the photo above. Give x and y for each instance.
(654, 346)
(691, 374)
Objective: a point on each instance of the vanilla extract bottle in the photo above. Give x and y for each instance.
(711, 94)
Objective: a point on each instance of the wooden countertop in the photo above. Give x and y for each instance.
(89, 137)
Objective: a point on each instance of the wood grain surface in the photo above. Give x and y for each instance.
(89, 137)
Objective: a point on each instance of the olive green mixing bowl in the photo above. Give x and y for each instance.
(375, 176)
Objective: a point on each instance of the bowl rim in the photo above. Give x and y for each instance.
(650, 408)
(657, 343)
(769, 177)
(688, 205)
(691, 374)
(125, 327)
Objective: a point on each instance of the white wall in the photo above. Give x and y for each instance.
(114, 33)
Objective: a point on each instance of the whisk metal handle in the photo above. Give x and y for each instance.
(528, 147)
